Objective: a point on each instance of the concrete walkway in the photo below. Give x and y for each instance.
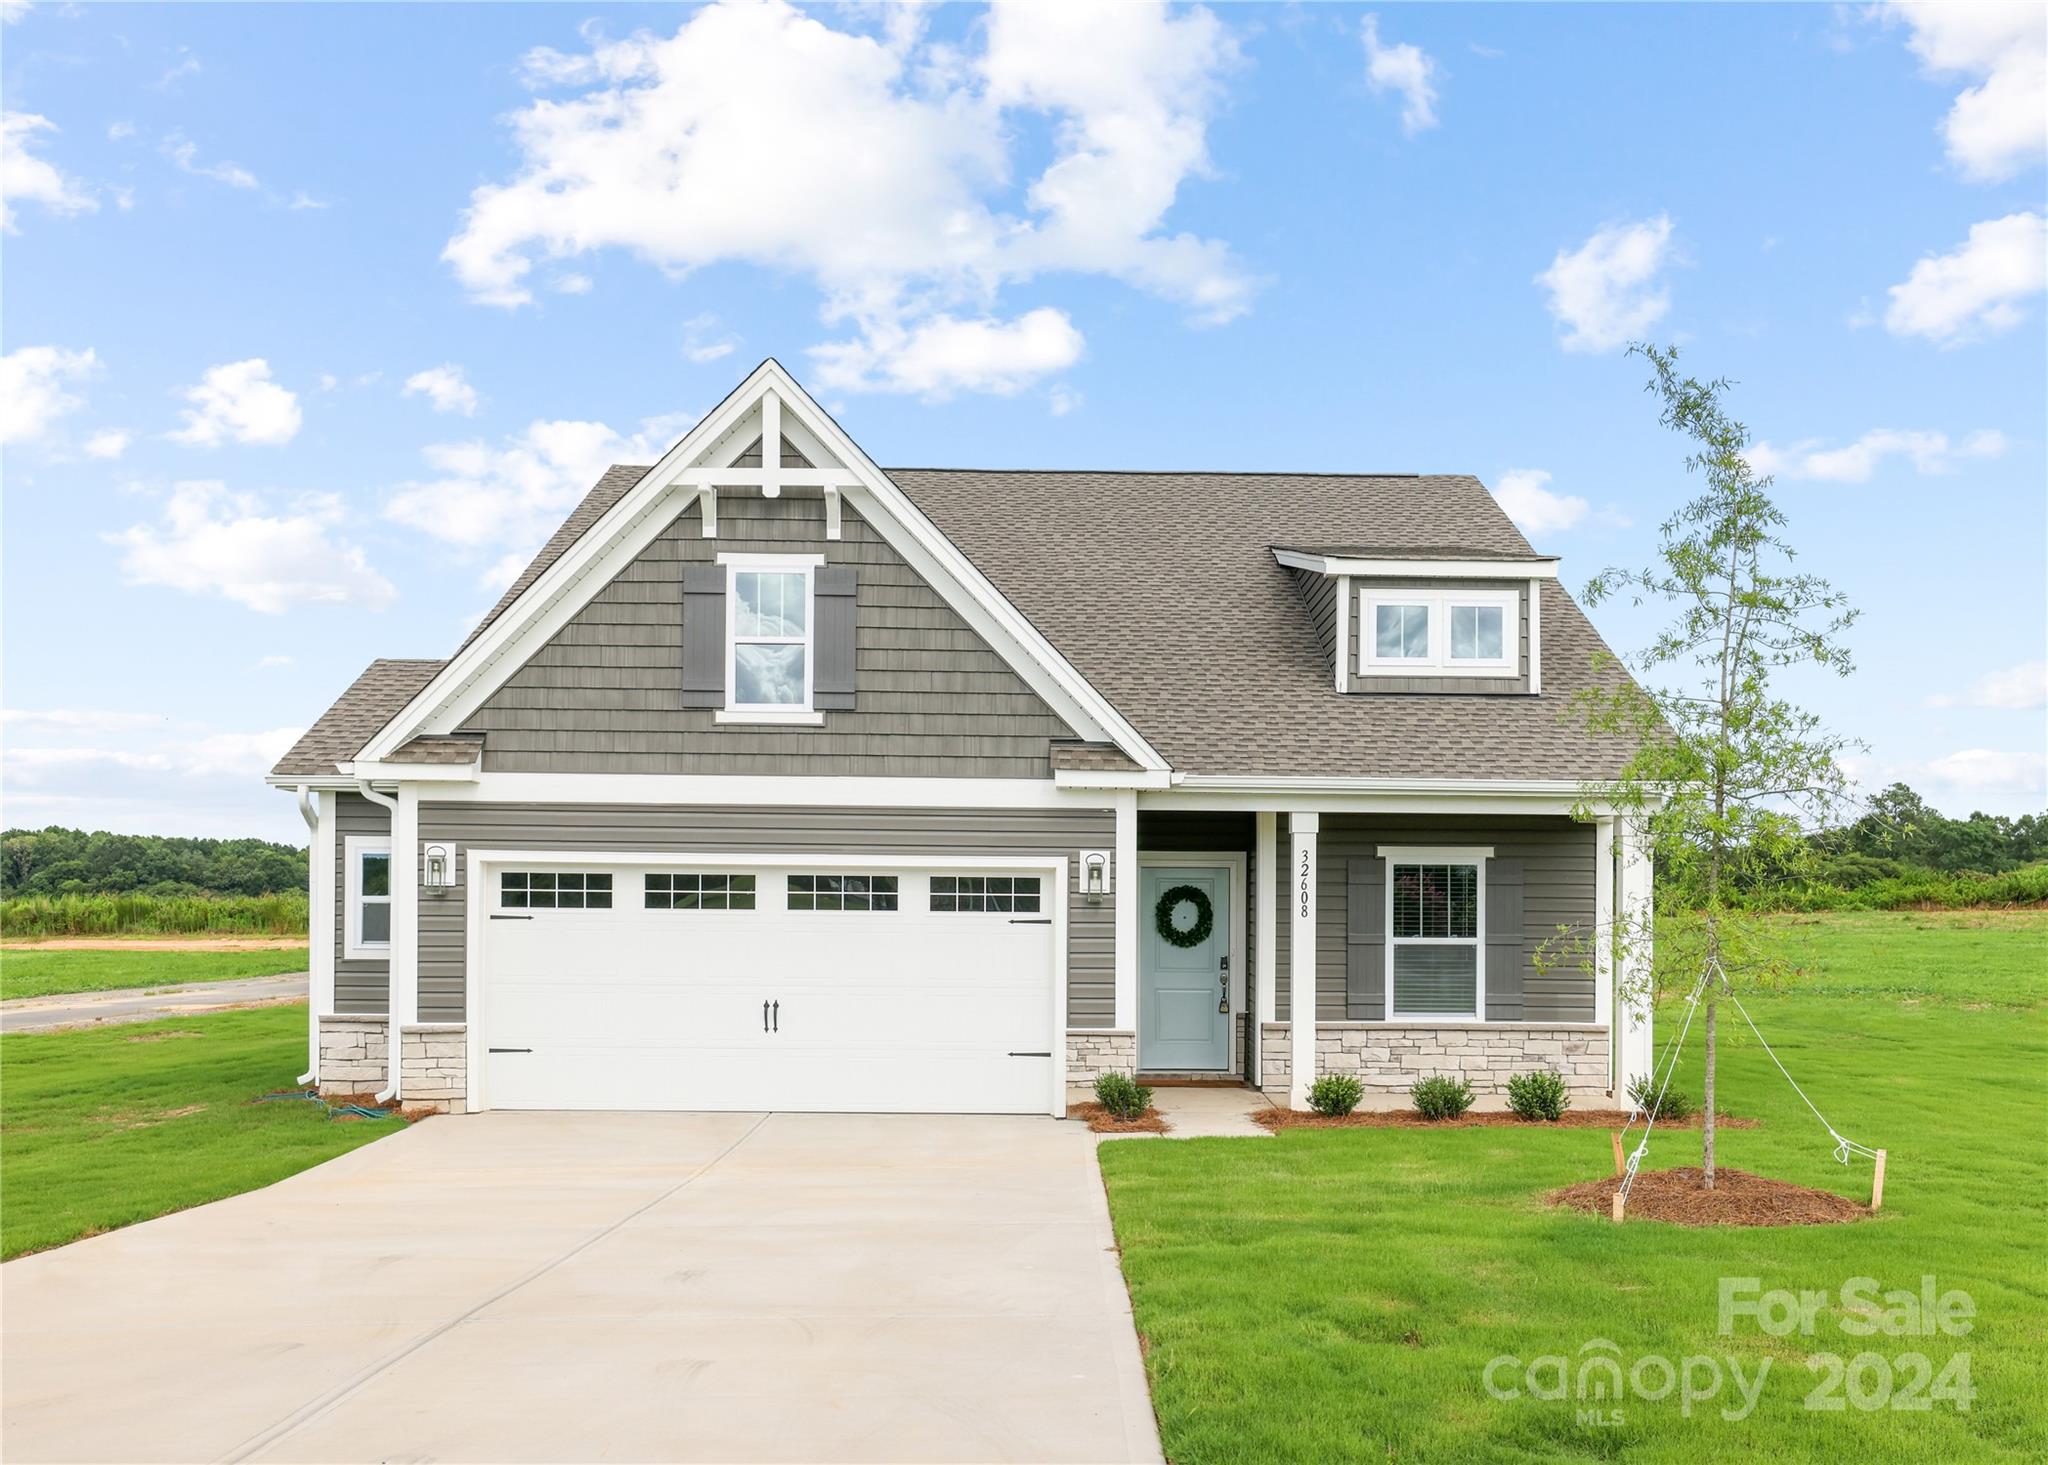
(141, 1004)
(618, 1286)
(1198, 1111)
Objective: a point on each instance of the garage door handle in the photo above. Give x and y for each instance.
(510, 1050)
(496, 917)
(1031, 920)
(778, 1017)
(764, 1016)
(1031, 1055)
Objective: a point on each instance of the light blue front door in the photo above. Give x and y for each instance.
(1184, 991)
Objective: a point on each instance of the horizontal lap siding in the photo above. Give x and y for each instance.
(995, 833)
(605, 694)
(359, 986)
(1558, 870)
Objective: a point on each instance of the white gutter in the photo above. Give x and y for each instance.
(312, 817)
(391, 1039)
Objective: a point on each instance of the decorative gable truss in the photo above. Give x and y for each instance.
(723, 456)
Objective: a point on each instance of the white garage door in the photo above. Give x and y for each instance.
(732, 987)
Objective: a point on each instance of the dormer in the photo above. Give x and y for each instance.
(1425, 619)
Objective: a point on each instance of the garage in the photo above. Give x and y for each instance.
(723, 984)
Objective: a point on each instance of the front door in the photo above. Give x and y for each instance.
(1183, 970)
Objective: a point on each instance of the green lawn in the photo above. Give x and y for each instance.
(1338, 1295)
(114, 1125)
(48, 973)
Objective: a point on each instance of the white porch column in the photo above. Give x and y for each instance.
(1265, 905)
(1603, 924)
(1301, 956)
(405, 924)
(1634, 1043)
(1125, 875)
(320, 924)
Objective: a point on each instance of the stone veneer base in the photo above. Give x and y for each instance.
(1387, 1058)
(433, 1061)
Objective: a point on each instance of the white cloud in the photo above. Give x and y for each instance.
(24, 176)
(445, 387)
(1979, 289)
(2000, 125)
(213, 542)
(143, 773)
(705, 341)
(32, 388)
(572, 284)
(239, 401)
(185, 153)
(1990, 771)
(272, 663)
(2012, 689)
(878, 167)
(1605, 293)
(1403, 68)
(1928, 452)
(943, 355)
(108, 443)
(303, 200)
(13, 10)
(1523, 494)
(509, 496)
(1062, 399)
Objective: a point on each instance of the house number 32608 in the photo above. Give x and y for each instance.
(1302, 889)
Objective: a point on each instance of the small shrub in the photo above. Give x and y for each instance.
(1677, 1105)
(1122, 1096)
(1440, 1097)
(1335, 1094)
(1539, 1095)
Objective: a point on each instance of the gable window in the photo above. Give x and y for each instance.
(842, 892)
(770, 653)
(367, 880)
(691, 891)
(1462, 633)
(552, 890)
(1435, 929)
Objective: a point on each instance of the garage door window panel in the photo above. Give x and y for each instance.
(699, 891)
(985, 893)
(568, 890)
(842, 892)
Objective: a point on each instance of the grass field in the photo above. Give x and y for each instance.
(154, 915)
(49, 973)
(115, 1125)
(1338, 1295)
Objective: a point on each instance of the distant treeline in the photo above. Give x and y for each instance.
(58, 861)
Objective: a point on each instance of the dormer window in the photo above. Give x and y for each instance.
(1462, 633)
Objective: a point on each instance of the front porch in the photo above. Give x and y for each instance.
(1438, 940)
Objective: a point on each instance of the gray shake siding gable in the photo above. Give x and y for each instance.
(606, 695)
(1556, 859)
(996, 833)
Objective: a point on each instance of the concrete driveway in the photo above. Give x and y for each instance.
(617, 1286)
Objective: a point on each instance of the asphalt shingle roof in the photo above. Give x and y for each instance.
(1162, 590)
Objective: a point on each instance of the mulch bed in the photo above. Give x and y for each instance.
(1276, 1118)
(1102, 1121)
(1737, 1199)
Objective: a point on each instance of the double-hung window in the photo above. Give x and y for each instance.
(1439, 632)
(1435, 931)
(366, 889)
(770, 648)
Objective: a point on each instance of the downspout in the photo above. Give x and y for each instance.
(391, 1038)
(312, 817)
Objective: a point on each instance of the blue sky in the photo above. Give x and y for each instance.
(317, 318)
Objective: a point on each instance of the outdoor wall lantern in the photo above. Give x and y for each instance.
(1094, 875)
(439, 867)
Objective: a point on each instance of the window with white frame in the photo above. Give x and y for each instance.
(1435, 931)
(769, 624)
(366, 880)
(1439, 632)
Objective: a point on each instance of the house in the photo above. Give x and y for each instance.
(779, 780)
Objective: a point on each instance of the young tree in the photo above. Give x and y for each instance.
(1721, 767)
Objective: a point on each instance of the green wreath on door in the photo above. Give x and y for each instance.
(1205, 916)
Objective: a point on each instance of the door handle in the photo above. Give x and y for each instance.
(764, 1015)
(778, 1017)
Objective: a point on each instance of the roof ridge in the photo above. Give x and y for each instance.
(1183, 472)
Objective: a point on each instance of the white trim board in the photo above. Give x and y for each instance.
(646, 509)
